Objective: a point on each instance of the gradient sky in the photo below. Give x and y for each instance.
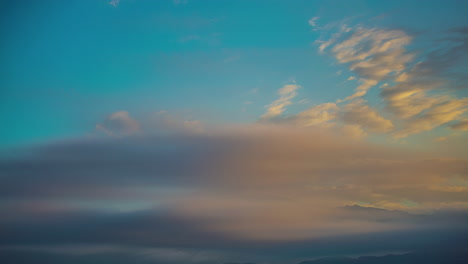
(191, 131)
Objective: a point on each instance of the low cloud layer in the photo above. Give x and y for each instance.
(257, 184)
(240, 194)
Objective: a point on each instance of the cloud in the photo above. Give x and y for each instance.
(164, 122)
(244, 183)
(409, 99)
(373, 54)
(355, 118)
(436, 255)
(418, 242)
(108, 253)
(286, 93)
(418, 96)
(437, 115)
(364, 44)
(218, 193)
(357, 112)
(441, 139)
(114, 3)
(119, 124)
(423, 95)
(313, 20)
(316, 115)
(460, 126)
(361, 90)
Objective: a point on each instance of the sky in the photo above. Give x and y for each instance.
(198, 131)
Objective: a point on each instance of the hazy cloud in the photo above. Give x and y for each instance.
(357, 112)
(460, 126)
(230, 189)
(119, 124)
(114, 3)
(256, 171)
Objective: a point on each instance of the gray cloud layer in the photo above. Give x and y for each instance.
(229, 189)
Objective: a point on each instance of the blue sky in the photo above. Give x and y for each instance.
(197, 131)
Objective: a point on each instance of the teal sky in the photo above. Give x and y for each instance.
(68, 64)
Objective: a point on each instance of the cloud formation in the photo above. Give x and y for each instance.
(357, 112)
(119, 124)
(264, 175)
(460, 126)
(286, 93)
(218, 193)
(373, 54)
(114, 3)
(419, 91)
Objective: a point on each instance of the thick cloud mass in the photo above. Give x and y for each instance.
(226, 188)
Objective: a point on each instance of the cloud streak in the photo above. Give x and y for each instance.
(286, 94)
(418, 90)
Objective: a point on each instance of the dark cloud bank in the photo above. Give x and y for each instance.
(252, 195)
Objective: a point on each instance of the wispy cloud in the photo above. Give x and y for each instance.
(418, 96)
(460, 126)
(313, 20)
(373, 54)
(114, 3)
(276, 108)
(232, 58)
(357, 112)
